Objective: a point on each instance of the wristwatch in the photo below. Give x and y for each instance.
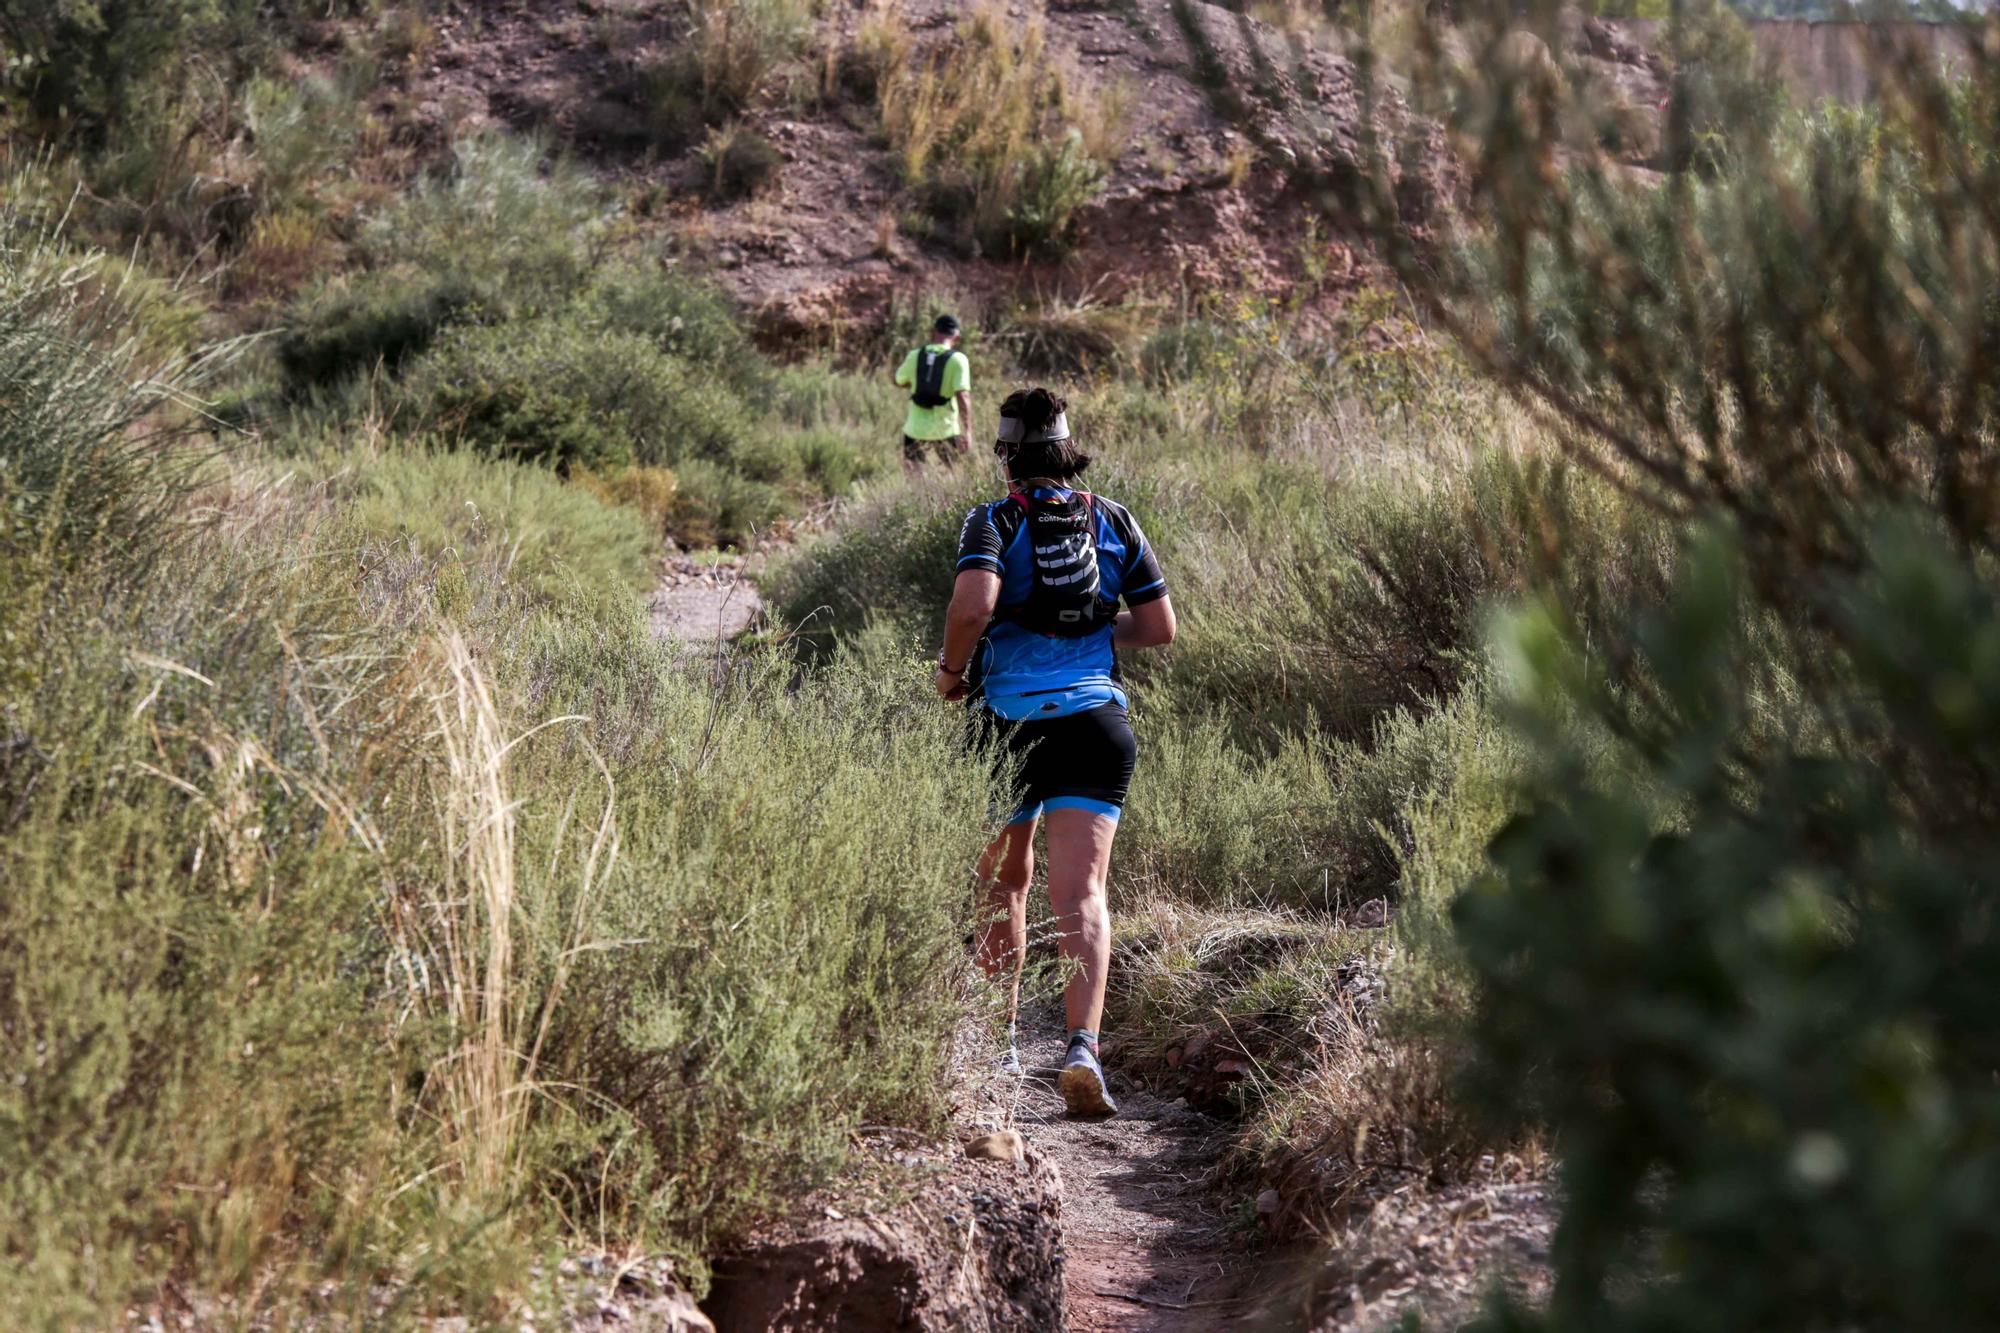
(948, 669)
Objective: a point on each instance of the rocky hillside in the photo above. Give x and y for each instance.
(1222, 137)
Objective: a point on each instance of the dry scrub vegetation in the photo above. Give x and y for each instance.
(1002, 138)
(385, 908)
(1598, 767)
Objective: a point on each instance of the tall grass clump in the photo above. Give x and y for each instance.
(1004, 142)
(381, 915)
(507, 528)
(88, 458)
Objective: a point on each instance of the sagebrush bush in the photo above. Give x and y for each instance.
(566, 390)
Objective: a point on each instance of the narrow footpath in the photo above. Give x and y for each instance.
(703, 601)
(1148, 1247)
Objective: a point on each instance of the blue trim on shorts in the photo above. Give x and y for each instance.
(1105, 808)
(1027, 814)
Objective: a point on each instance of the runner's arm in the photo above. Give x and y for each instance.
(964, 397)
(973, 598)
(1147, 625)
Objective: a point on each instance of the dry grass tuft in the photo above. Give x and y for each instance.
(486, 988)
(1004, 139)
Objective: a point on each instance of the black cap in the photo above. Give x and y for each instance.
(946, 324)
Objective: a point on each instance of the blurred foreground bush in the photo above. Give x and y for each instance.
(1752, 993)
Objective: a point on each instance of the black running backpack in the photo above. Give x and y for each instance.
(1063, 600)
(929, 388)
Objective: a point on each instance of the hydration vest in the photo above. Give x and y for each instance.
(1063, 600)
(928, 389)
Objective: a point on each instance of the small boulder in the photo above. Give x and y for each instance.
(1002, 1145)
(1267, 1203)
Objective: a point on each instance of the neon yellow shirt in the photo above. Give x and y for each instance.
(935, 423)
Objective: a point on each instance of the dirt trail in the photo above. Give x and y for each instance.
(703, 601)
(1147, 1247)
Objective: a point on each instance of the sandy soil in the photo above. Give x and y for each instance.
(704, 601)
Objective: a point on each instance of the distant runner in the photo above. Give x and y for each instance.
(939, 379)
(1031, 638)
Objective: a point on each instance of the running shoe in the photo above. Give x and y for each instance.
(1082, 1083)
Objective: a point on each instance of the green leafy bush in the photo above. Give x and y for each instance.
(351, 326)
(493, 238)
(686, 316)
(565, 391)
(1748, 995)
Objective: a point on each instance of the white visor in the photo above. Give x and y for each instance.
(1013, 430)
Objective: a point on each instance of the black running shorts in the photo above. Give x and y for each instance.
(1083, 761)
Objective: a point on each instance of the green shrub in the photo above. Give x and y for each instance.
(565, 391)
(351, 326)
(1056, 181)
(501, 214)
(719, 506)
(88, 463)
(892, 564)
(739, 1079)
(515, 525)
(1316, 824)
(834, 461)
(686, 316)
(1753, 1008)
(494, 238)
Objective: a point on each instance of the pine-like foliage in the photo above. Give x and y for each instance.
(1737, 954)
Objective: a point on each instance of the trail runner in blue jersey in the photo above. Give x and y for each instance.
(1031, 642)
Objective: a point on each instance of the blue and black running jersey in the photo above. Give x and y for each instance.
(1020, 674)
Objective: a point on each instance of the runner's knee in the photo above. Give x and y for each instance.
(1008, 866)
(1082, 894)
